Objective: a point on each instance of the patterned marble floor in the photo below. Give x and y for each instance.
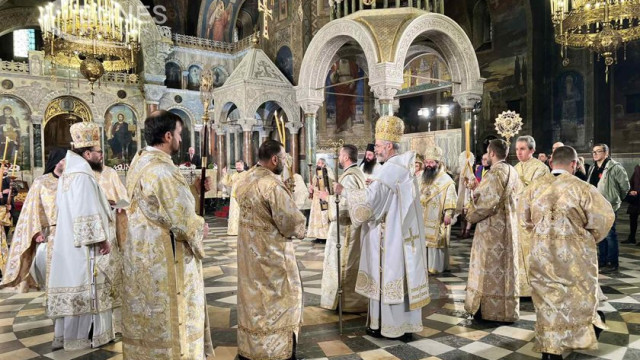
(26, 333)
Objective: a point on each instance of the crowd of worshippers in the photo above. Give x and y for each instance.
(128, 259)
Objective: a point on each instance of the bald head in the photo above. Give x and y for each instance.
(556, 145)
(564, 158)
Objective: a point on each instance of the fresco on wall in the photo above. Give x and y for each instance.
(15, 123)
(424, 69)
(173, 75)
(284, 62)
(625, 108)
(568, 109)
(220, 75)
(120, 124)
(345, 115)
(193, 78)
(217, 20)
(186, 136)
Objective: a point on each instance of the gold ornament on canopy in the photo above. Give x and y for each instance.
(91, 35)
(508, 125)
(601, 26)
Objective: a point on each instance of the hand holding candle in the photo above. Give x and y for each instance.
(15, 159)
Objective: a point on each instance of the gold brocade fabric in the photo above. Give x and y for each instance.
(115, 191)
(318, 218)
(4, 249)
(269, 284)
(493, 266)
(437, 199)
(350, 235)
(234, 211)
(528, 172)
(163, 289)
(38, 215)
(568, 217)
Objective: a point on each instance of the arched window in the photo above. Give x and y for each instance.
(482, 26)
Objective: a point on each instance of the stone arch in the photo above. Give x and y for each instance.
(191, 119)
(322, 49)
(287, 104)
(453, 45)
(18, 18)
(59, 104)
(20, 100)
(96, 114)
(224, 112)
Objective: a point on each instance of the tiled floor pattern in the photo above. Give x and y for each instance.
(26, 333)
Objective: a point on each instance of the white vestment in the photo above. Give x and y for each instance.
(81, 290)
(375, 168)
(391, 216)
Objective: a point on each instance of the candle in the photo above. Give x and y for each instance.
(467, 137)
(15, 159)
(4, 154)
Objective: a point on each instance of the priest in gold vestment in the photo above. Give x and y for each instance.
(36, 225)
(529, 169)
(567, 217)
(438, 198)
(351, 178)
(163, 289)
(492, 287)
(269, 284)
(318, 218)
(230, 181)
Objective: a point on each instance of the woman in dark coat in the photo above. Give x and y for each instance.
(634, 203)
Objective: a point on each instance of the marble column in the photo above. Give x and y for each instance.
(247, 132)
(221, 153)
(467, 102)
(229, 160)
(294, 129)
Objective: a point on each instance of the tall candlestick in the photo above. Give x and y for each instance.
(467, 137)
(4, 154)
(15, 159)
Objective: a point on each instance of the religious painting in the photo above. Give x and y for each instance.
(568, 110)
(173, 75)
(15, 124)
(284, 62)
(220, 75)
(178, 158)
(346, 112)
(120, 124)
(426, 71)
(217, 20)
(193, 78)
(283, 10)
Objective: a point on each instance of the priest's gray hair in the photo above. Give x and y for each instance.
(324, 162)
(564, 155)
(395, 145)
(531, 142)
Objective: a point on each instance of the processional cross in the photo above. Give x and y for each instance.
(267, 13)
(412, 239)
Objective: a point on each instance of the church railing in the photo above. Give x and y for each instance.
(208, 44)
(120, 78)
(342, 8)
(14, 67)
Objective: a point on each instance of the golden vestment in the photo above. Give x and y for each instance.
(438, 199)
(493, 266)
(163, 289)
(568, 217)
(5, 220)
(318, 219)
(38, 215)
(234, 212)
(115, 191)
(352, 178)
(528, 172)
(269, 284)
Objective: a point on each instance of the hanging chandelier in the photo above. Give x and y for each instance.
(602, 26)
(92, 36)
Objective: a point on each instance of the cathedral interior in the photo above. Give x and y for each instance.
(312, 73)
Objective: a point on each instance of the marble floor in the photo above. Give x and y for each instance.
(26, 333)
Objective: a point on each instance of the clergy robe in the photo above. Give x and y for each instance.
(391, 216)
(352, 178)
(115, 191)
(269, 284)
(82, 289)
(493, 266)
(370, 176)
(5, 220)
(528, 172)
(438, 199)
(38, 215)
(568, 217)
(163, 299)
(318, 218)
(234, 215)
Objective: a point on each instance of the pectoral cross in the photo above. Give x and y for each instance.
(411, 239)
(267, 14)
